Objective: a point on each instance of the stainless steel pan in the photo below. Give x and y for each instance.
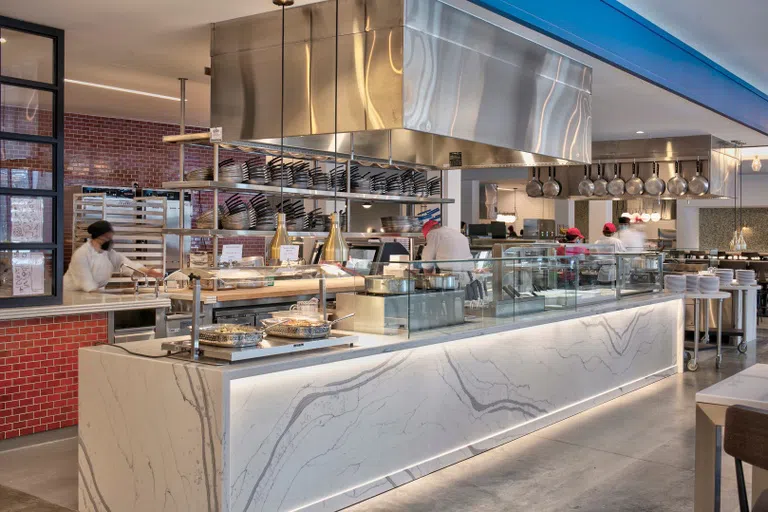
(387, 285)
(442, 281)
(533, 187)
(552, 187)
(635, 184)
(616, 186)
(655, 186)
(601, 185)
(699, 185)
(313, 330)
(677, 184)
(586, 186)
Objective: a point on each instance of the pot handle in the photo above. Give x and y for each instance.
(585, 172)
(267, 328)
(340, 319)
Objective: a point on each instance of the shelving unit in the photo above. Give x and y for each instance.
(215, 186)
(231, 233)
(301, 193)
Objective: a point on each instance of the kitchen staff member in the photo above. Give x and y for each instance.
(445, 244)
(632, 238)
(94, 262)
(609, 238)
(607, 272)
(573, 238)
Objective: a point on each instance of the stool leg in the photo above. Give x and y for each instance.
(696, 313)
(742, 487)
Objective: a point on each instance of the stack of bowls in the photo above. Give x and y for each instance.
(231, 173)
(725, 275)
(709, 284)
(745, 277)
(674, 283)
(692, 283)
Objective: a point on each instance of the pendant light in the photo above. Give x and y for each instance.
(757, 164)
(335, 248)
(281, 234)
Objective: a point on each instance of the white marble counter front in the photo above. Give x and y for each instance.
(81, 302)
(324, 430)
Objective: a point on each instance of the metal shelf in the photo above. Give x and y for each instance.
(232, 233)
(302, 192)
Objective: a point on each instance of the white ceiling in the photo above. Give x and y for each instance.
(731, 33)
(148, 44)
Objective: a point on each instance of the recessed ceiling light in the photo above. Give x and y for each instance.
(639, 132)
(122, 89)
(3, 40)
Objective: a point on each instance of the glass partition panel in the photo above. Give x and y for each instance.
(639, 273)
(26, 165)
(26, 56)
(26, 219)
(26, 273)
(26, 111)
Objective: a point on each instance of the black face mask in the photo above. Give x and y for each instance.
(106, 245)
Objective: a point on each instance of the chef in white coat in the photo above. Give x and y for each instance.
(94, 262)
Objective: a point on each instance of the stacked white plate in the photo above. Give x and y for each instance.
(692, 283)
(709, 284)
(745, 277)
(725, 275)
(674, 283)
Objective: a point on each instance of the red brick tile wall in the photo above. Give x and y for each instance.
(38, 370)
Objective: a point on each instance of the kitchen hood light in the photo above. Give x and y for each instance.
(367, 205)
(3, 40)
(640, 132)
(121, 89)
(756, 164)
(509, 218)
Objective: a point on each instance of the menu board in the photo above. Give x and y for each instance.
(27, 217)
(28, 273)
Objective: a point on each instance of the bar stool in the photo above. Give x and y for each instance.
(746, 440)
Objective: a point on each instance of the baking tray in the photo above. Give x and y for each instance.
(270, 346)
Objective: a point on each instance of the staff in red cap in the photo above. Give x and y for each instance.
(573, 237)
(610, 238)
(444, 246)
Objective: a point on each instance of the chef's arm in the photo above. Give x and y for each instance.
(429, 254)
(126, 267)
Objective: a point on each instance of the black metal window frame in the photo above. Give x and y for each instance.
(56, 141)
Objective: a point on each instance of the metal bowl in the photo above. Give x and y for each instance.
(387, 285)
(437, 281)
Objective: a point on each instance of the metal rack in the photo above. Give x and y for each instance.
(139, 225)
(215, 186)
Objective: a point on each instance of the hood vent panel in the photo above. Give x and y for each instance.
(420, 82)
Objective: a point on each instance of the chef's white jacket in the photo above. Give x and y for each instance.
(447, 244)
(91, 269)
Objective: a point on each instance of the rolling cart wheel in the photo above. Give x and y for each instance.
(692, 365)
(686, 357)
(742, 348)
(718, 361)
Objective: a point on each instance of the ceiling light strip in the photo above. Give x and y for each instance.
(121, 89)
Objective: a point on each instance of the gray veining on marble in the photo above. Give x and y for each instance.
(151, 435)
(363, 426)
(163, 434)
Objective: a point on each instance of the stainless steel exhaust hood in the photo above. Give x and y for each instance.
(420, 82)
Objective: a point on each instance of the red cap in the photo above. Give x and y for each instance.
(428, 226)
(574, 232)
(610, 227)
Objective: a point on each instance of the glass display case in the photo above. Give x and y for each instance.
(429, 295)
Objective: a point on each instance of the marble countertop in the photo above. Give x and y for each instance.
(81, 302)
(371, 344)
(748, 387)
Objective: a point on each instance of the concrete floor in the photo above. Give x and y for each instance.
(634, 453)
